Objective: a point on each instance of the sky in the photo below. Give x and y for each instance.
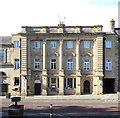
(17, 13)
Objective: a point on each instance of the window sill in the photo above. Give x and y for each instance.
(69, 88)
(108, 70)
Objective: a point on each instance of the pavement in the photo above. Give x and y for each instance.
(68, 106)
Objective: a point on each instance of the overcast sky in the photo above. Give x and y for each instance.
(17, 13)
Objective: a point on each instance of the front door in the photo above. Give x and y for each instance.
(86, 87)
(37, 88)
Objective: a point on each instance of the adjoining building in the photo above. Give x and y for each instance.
(61, 60)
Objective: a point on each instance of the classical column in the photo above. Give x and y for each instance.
(98, 66)
(61, 71)
(44, 71)
(44, 85)
(78, 72)
(44, 55)
(77, 55)
(24, 86)
(60, 61)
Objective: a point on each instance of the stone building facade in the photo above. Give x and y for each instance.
(63, 60)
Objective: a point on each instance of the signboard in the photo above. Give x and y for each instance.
(101, 84)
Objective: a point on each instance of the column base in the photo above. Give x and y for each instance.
(44, 93)
(61, 93)
(78, 93)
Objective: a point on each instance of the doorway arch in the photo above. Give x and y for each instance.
(37, 87)
(86, 87)
(3, 84)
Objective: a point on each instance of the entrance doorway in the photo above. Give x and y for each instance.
(37, 87)
(86, 87)
(108, 86)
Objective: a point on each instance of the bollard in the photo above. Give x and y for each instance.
(51, 112)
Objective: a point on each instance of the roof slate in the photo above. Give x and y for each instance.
(5, 39)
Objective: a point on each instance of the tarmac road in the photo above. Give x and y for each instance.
(40, 106)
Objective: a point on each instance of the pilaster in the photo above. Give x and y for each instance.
(78, 82)
(23, 85)
(61, 82)
(44, 82)
(60, 51)
(44, 55)
(77, 55)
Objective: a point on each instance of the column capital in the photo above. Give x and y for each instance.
(44, 41)
(78, 41)
(61, 41)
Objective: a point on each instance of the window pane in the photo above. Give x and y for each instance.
(48, 82)
(64, 82)
(69, 82)
(70, 64)
(37, 64)
(108, 44)
(53, 44)
(74, 82)
(86, 44)
(53, 64)
(16, 44)
(16, 63)
(58, 82)
(2, 56)
(108, 65)
(37, 44)
(86, 65)
(16, 81)
(70, 44)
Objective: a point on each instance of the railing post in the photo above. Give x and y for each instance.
(51, 111)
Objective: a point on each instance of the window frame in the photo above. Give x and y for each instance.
(68, 82)
(54, 64)
(16, 82)
(38, 45)
(38, 64)
(2, 55)
(87, 65)
(53, 44)
(16, 44)
(69, 44)
(70, 64)
(86, 44)
(16, 64)
(109, 65)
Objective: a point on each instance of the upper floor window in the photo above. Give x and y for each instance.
(108, 65)
(108, 44)
(16, 44)
(86, 65)
(86, 44)
(70, 44)
(16, 81)
(53, 64)
(53, 44)
(37, 64)
(70, 64)
(2, 56)
(16, 64)
(37, 44)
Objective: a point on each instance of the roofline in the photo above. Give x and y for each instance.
(58, 26)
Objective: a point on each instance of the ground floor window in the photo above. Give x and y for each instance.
(4, 87)
(53, 84)
(16, 81)
(69, 83)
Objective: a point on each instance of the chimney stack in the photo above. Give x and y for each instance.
(112, 25)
